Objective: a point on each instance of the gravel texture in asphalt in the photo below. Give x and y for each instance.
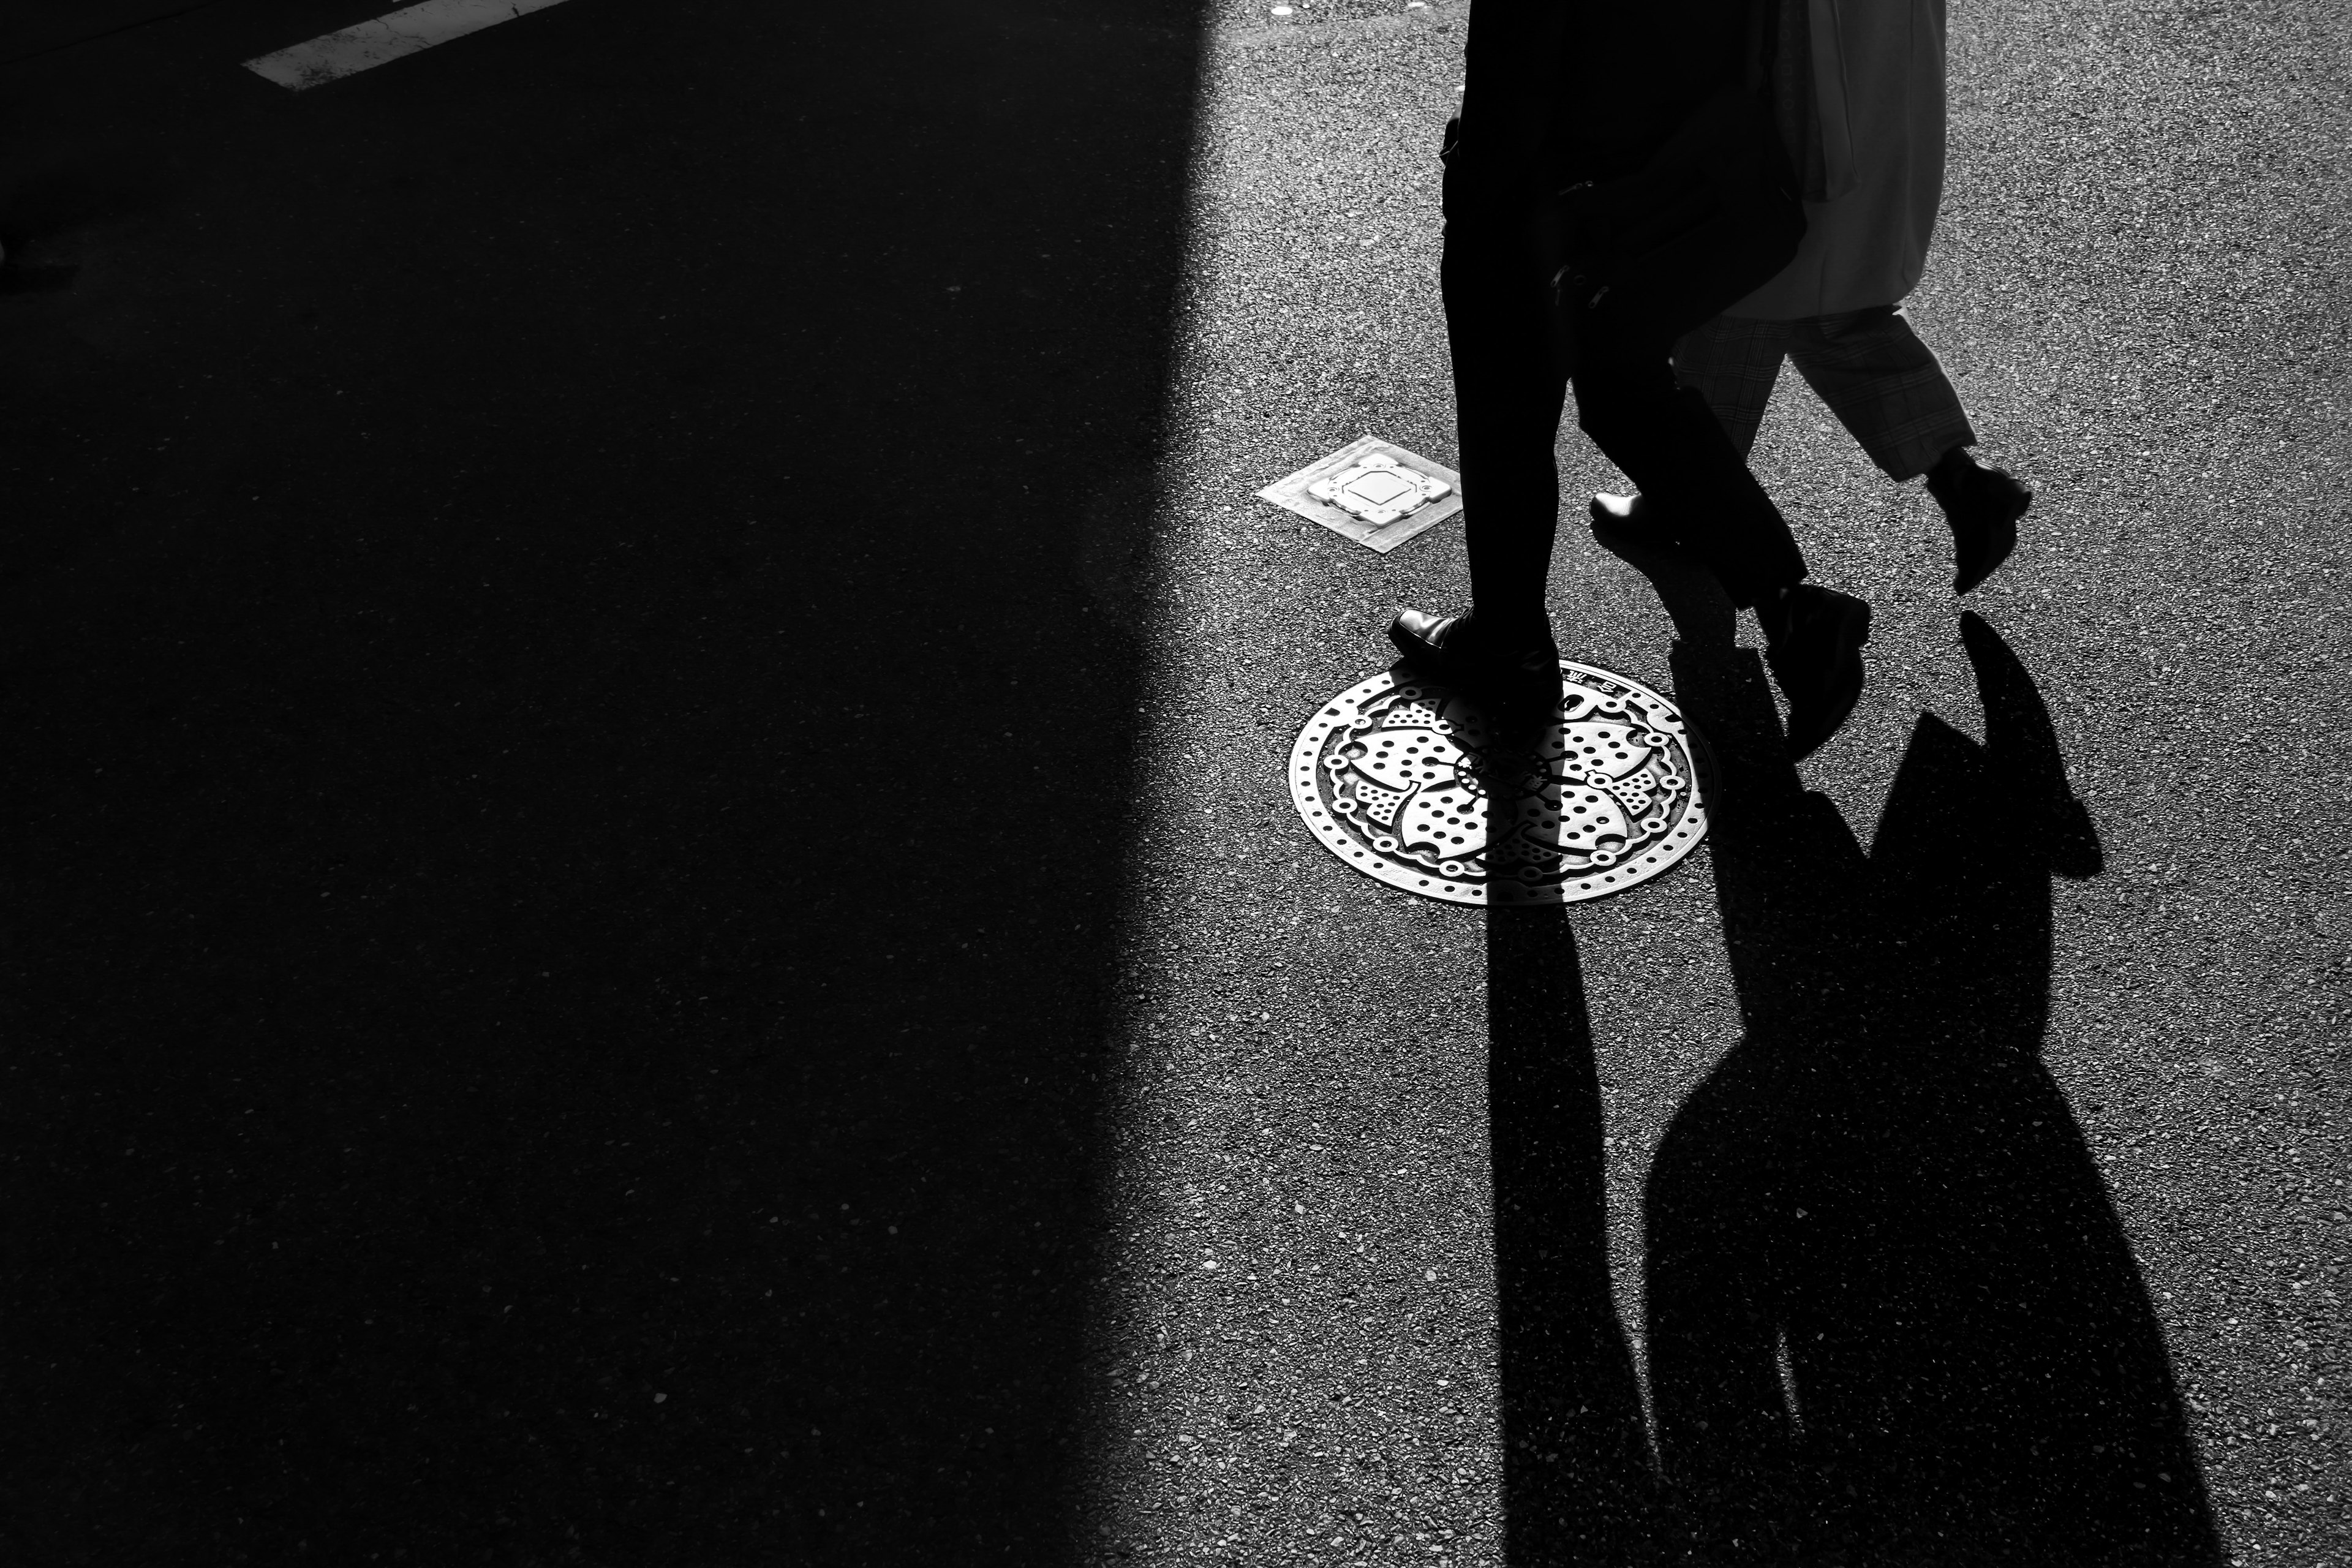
(1947, 1164)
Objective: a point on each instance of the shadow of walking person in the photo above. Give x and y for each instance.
(1892, 1317)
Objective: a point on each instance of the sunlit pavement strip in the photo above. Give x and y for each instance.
(1295, 1354)
(385, 40)
(1295, 1361)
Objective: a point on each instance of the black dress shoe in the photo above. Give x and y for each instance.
(1511, 677)
(1982, 505)
(1814, 651)
(1633, 520)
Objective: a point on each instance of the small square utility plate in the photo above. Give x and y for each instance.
(1378, 494)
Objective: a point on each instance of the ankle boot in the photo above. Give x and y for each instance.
(1982, 506)
(1813, 640)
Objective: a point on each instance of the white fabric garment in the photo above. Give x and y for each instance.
(1878, 83)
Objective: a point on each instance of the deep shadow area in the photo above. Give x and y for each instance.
(1892, 1317)
(566, 784)
(41, 26)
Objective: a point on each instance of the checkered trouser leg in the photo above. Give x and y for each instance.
(1732, 363)
(1869, 366)
(1884, 385)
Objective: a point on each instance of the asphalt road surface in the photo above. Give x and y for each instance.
(652, 914)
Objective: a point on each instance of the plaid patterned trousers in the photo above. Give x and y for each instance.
(1869, 366)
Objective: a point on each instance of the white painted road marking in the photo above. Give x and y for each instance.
(404, 31)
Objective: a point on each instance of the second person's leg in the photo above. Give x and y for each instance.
(1730, 363)
(1884, 384)
(1733, 363)
(1670, 443)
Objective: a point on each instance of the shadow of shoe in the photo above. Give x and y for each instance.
(2019, 733)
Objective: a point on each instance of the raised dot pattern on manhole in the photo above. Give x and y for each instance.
(1410, 784)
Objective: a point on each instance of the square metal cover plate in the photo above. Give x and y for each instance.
(1374, 491)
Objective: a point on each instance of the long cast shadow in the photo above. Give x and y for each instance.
(1892, 1315)
(1579, 1483)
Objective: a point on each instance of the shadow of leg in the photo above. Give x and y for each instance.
(1727, 1203)
(1578, 1482)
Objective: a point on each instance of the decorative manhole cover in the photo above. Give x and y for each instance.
(1374, 491)
(1410, 784)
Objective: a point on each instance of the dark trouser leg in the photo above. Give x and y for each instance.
(1671, 445)
(1507, 393)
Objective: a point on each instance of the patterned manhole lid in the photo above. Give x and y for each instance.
(1410, 784)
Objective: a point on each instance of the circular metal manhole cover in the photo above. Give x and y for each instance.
(1410, 784)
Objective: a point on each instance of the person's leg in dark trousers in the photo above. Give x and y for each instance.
(1508, 391)
(1732, 363)
(1671, 444)
(1507, 394)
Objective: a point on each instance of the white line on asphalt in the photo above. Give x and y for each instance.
(402, 32)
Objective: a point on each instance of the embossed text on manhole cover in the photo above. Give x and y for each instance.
(1410, 784)
(1378, 494)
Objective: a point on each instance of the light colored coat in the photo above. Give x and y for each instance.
(1878, 79)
